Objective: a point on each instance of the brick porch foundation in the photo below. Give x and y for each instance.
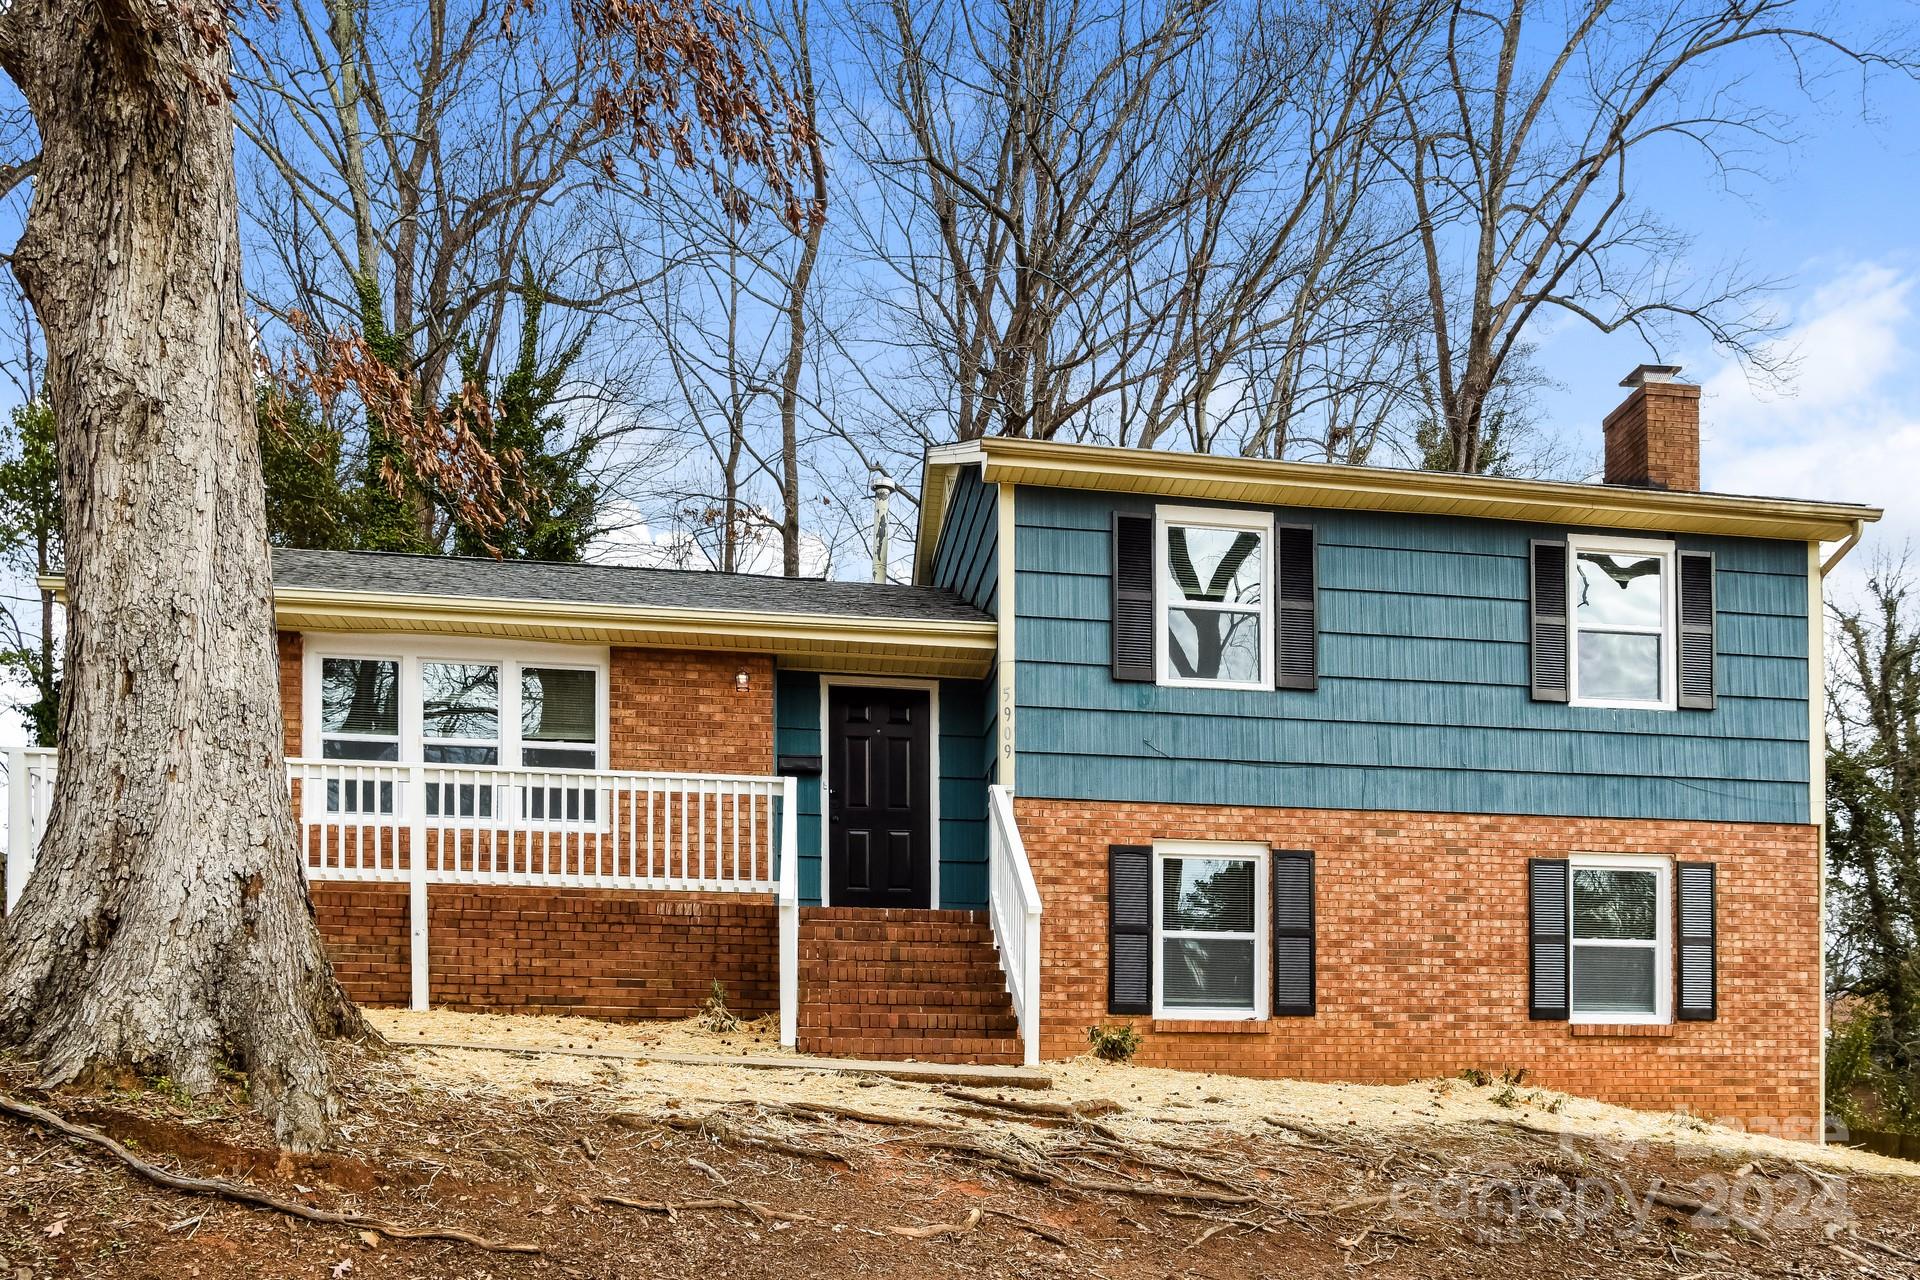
(602, 953)
(1422, 937)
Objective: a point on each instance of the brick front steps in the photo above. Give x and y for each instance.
(895, 984)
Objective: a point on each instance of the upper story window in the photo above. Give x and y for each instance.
(1215, 613)
(1620, 939)
(1622, 622)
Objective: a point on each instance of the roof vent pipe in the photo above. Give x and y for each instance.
(883, 489)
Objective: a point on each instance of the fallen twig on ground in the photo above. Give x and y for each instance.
(724, 1131)
(244, 1194)
(733, 1204)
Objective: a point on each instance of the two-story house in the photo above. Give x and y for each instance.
(1343, 773)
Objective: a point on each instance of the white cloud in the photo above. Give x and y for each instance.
(1848, 427)
(633, 542)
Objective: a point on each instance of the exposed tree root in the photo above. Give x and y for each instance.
(715, 1127)
(244, 1194)
(938, 1230)
(1028, 1171)
(1035, 1107)
(834, 1111)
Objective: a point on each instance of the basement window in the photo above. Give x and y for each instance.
(1620, 939)
(1207, 916)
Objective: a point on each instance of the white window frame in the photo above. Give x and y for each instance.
(498, 740)
(313, 714)
(1668, 632)
(1167, 594)
(1662, 944)
(410, 652)
(1248, 852)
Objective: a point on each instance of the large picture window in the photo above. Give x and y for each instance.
(1620, 939)
(1622, 617)
(461, 706)
(1215, 568)
(1209, 908)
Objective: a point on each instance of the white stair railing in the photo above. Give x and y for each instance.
(788, 899)
(1013, 902)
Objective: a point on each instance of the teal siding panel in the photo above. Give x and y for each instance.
(963, 763)
(1423, 701)
(1422, 790)
(963, 795)
(1230, 739)
(1380, 701)
(966, 559)
(796, 732)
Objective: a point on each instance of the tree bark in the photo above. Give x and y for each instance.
(167, 929)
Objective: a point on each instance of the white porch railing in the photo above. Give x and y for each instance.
(483, 825)
(1013, 902)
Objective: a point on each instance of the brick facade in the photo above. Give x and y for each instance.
(365, 928)
(1653, 438)
(1422, 955)
(681, 711)
(668, 710)
(604, 953)
(290, 685)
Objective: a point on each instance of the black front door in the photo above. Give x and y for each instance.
(879, 838)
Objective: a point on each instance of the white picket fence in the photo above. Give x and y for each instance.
(481, 825)
(1013, 903)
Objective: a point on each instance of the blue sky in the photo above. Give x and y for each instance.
(1834, 217)
(1837, 217)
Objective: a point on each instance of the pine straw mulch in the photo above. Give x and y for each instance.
(779, 1175)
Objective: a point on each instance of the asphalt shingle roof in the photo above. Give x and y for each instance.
(613, 585)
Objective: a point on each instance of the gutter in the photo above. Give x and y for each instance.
(1840, 552)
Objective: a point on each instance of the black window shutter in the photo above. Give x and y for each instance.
(1299, 629)
(1549, 621)
(1547, 924)
(1129, 929)
(1132, 597)
(1698, 970)
(1696, 630)
(1292, 943)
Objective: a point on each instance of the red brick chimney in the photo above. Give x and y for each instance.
(1653, 438)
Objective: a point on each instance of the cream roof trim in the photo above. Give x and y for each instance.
(816, 642)
(1258, 481)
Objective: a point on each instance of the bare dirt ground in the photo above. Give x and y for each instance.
(615, 1168)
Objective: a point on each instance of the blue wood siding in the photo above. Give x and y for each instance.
(1423, 701)
(964, 755)
(966, 559)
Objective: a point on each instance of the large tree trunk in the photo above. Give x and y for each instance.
(167, 929)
